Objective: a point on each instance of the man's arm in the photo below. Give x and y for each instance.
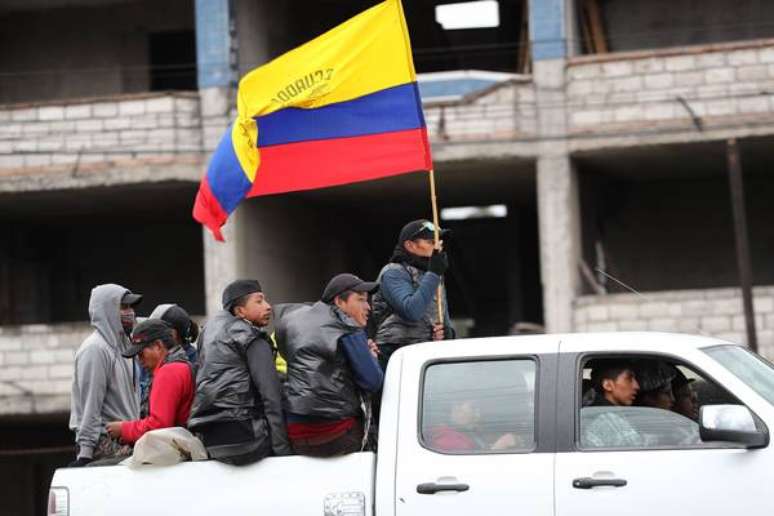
(92, 372)
(368, 373)
(260, 362)
(398, 290)
(165, 397)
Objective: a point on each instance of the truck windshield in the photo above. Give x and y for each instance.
(752, 369)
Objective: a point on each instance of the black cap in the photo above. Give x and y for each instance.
(343, 282)
(237, 289)
(421, 228)
(146, 333)
(130, 299)
(179, 319)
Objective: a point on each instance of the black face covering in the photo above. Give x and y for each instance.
(127, 322)
(400, 255)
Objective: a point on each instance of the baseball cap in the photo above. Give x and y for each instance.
(343, 282)
(131, 299)
(237, 289)
(146, 333)
(421, 228)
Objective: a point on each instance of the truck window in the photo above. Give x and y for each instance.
(479, 407)
(643, 402)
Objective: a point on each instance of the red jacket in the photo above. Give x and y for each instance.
(445, 438)
(170, 401)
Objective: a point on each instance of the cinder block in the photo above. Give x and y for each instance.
(680, 63)
(78, 112)
(714, 324)
(37, 160)
(50, 145)
(159, 105)
(648, 66)
(659, 81)
(16, 358)
(105, 109)
(35, 129)
(689, 79)
(117, 124)
(144, 122)
(743, 57)
(24, 115)
(624, 311)
(602, 326)
(728, 306)
(88, 126)
(752, 73)
(720, 107)
(698, 307)
(64, 356)
(131, 107)
(598, 313)
(34, 373)
(754, 105)
(711, 60)
(51, 113)
(766, 55)
(654, 310)
(42, 357)
(665, 324)
(579, 88)
(661, 111)
(627, 84)
(11, 373)
(617, 69)
(585, 71)
(763, 305)
(186, 105)
(719, 75)
(586, 117)
(641, 325)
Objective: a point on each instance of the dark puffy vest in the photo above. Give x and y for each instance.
(320, 381)
(224, 390)
(390, 327)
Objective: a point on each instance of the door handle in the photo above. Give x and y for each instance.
(432, 487)
(588, 482)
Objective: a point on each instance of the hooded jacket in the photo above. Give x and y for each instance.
(320, 381)
(103, 383)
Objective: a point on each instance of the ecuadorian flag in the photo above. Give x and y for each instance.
(339, 109)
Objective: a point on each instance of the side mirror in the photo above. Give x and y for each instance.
(733, 423)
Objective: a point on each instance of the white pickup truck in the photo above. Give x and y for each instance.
(497, 426)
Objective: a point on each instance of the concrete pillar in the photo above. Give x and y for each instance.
(560, 239)
(223, 261)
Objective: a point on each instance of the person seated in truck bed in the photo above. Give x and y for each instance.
(332, 368)
(237, 408)
(171, 387)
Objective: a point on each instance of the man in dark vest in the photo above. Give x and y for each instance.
(331, 368)
(405, 307)
(237, 409)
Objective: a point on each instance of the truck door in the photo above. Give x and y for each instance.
(643, 460)
(469, 437)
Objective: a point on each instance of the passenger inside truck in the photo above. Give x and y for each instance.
(662, 412)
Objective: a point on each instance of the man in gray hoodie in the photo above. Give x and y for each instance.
(104, 384)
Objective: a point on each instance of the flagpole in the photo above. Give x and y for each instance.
(437, 235)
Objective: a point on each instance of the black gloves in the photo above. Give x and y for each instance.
(79, 462)
(439, 262)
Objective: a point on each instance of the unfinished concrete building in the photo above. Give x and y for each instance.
(584, 134)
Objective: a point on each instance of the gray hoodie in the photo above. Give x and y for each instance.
(103, 384)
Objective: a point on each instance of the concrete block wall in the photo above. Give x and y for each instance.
(636, 88)
(99, 130)
(506, 111)
(36, 366)
(713, 312)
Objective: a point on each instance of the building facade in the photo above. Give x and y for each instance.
(601, 127)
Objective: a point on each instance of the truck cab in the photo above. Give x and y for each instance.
(499, 426)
